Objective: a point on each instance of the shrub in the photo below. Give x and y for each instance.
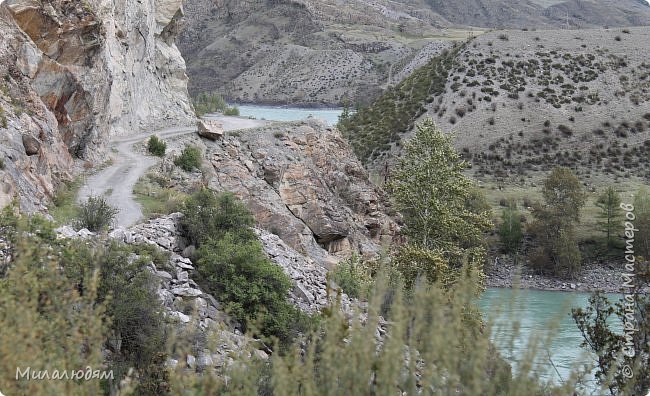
(189, 159)
(503, 37)
(352, 277)
(46, 322)
(3, 118)
(208, 216)
(231, 111)
(566, 131)
(95, 214)
(491, 120)
(617, 38)
(156, 146)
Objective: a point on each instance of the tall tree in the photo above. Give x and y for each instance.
(434, 195)
(642, 223)
(609, 202)
(555, 221)
(510, 229)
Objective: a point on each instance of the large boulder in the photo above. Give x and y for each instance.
(210, 129)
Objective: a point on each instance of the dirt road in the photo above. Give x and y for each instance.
(116, 182)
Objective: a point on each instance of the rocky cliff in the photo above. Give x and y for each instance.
(302, 183)
(76, 73)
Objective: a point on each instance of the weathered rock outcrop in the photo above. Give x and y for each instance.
(303, 184)
(76, 73)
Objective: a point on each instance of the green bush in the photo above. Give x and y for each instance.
(95, 214)
(235, 269)
(209, 216)
(231, 111)
(352, 277)
(189, 159)
(156, 146)
(253, 289)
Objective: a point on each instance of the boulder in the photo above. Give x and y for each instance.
(210, 129)
(31, 144)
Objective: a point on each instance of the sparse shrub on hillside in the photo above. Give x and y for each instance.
(566, 131)
(95, 214)
(452, 120)
(3, 118)
(460, 112)
(189, 159)
(626, 31)
(491, 121)
(547, 123)
(617, 38)
(503, 37)
(156, 146)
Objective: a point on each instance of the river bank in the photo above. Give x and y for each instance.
(503, 273)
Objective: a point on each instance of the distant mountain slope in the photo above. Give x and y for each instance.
(518, 102)
(330, 51)
(305, 52)
(543, 13)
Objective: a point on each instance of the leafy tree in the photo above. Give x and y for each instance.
(209, 103)
(189, 159)
(431, 191)
(438, 201)
(555, 223)
(352, 276)
(231, 111)
(595, 324)
(510, 230)
(609, 202)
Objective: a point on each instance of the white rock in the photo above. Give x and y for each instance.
(164, 275)
(191, 361)
(66, 232)
(180, 316)
(85, 233)
(186, 292)
(182, 276)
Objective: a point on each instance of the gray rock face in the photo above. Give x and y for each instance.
(76, 73)
(302, 183)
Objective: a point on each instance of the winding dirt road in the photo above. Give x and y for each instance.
(116, 182)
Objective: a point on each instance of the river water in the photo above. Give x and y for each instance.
(278, 113)
(535, 312)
